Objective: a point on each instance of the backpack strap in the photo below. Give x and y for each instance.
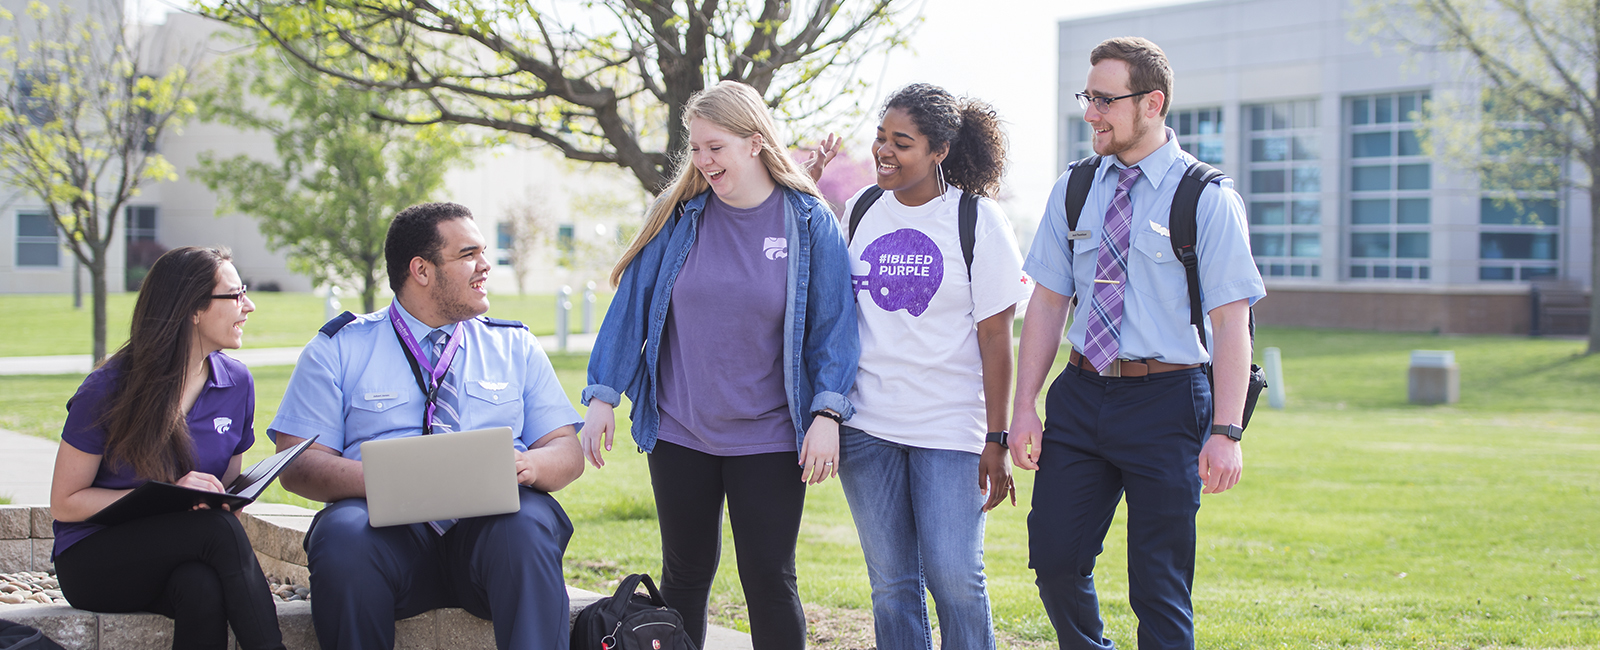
(1078, 184)
(968, 212)
(1183, 226)
(868, 197)
(618, 606)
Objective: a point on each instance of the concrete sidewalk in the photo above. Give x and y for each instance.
(81, 364)
(26, 464)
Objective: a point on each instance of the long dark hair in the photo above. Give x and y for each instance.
(144, 422)
(977, 158)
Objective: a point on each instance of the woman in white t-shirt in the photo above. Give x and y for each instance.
(935, 370)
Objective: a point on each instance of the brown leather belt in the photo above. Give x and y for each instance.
(1129, 367)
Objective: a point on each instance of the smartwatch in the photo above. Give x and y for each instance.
(999, 438)
(1234, 432)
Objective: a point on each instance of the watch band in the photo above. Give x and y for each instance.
(999, 438)
(1234, 432)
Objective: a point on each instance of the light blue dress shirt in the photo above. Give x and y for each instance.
(357, 386)
(1155, 319)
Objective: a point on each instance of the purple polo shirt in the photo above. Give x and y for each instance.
(221, 424)
(721, 389)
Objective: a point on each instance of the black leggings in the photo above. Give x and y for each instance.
(195, 567)
(765, 499)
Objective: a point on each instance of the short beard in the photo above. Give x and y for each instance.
(449, 302)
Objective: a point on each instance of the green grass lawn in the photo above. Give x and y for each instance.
(1362, 521)
(46, 324)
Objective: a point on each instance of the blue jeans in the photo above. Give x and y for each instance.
(920, 517)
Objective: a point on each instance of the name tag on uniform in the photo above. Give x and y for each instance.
(1077, 234)
(373, 397)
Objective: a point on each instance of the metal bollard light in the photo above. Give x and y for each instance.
(563, 316)
(1275, 390)
(589, 308)
(331, 307)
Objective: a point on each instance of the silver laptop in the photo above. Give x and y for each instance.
(442, 476)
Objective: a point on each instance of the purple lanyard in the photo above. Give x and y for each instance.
(420, 366)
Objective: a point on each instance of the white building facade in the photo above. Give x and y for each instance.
(1351, 223)
(588, 210)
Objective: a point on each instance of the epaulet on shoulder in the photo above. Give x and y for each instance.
(500, 322)
(333, 326)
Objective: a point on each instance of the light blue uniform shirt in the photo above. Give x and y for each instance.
(357, 386)
(1155, 316)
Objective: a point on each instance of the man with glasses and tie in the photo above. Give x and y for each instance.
(431, 364)
(1132, 412)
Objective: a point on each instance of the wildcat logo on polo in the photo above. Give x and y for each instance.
(222, 424)
(775, 248)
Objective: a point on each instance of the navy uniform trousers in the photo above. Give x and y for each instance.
(1102, 437)
(505, 568)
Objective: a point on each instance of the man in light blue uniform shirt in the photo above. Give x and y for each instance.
(355, 382)
(1132, 412)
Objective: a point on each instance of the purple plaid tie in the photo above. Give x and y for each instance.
(1101, 339)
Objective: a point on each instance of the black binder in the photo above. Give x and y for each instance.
(157, 498)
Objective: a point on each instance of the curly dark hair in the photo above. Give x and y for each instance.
(971, 128)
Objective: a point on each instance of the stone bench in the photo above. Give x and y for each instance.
(276, 532)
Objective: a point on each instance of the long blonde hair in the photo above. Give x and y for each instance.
(738, 109)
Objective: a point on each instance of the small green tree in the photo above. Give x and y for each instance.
(81, 116)
(340, 175)
(1539, 62)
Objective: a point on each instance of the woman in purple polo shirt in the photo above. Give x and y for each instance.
(168, 406)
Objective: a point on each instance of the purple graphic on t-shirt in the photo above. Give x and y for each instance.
(907, 268)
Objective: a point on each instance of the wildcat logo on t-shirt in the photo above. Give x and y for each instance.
(222, 424)
(775, 248)
(907, 269)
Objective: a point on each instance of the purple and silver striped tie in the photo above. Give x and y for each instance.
(1103, 334)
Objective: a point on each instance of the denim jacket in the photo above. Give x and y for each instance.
(821, 348)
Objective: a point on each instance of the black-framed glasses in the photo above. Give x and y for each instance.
(1103, 104)
(236, 297)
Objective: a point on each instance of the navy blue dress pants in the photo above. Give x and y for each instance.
(1104, 437)
(504, 568)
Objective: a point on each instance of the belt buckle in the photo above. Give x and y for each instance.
(1113, 369)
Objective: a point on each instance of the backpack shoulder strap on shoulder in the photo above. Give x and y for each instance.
(1182, 224)
(1078, 184)
(868, 197)
(968, 213)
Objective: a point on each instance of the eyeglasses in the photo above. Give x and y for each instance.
(236, 297)
(1103, 104)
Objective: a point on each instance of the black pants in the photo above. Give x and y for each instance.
(765, 499)
(196, 568)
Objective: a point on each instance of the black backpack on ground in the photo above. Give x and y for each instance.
(16, 636)
(1182, 224)
(967, 212)
(630, 621)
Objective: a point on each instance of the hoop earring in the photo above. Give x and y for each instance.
(943, 186)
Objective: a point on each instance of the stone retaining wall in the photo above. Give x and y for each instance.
(25, 538)
(276, 531)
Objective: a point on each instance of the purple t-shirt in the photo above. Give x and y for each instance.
(721, 389)
(221, 423)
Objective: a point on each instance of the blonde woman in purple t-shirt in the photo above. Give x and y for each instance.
(734, 335)
(168, 406)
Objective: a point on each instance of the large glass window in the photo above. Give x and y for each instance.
(37, 242)
(1284, 190)
(1520, 216)
(1390, 188)
(1199, 133)
(1079, 145)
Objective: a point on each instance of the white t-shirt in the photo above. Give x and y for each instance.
(920, 379)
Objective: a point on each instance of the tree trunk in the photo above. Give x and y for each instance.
(97, 284)
(369, 295)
